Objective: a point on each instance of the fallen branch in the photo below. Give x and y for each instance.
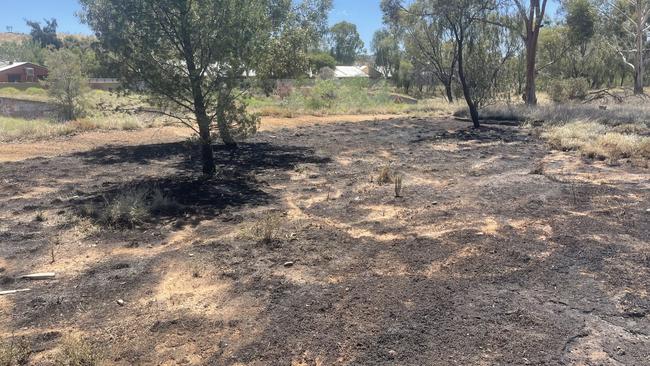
(39, 276)
(600, 94)
(11, 292)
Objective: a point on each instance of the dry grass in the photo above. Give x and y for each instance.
(426, 107)
(131, 207)
(14, 351)
(593, 139)
(398, 185)
(384, 176)
(266, 229)
(637, 114)
(12, 129)
(76, 351)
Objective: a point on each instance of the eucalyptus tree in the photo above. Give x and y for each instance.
(531, 14)
(388, 55)
(630, 21)
(346, 42)
(190, 55)
(468, 27)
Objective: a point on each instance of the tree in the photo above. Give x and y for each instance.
(45, 36)
(190, 56)
(299, 29)
(481, 49)
(67, 84)
(388, 55)
(318, 60)
(630, 19)
(581, 20)
(28, 51)
(531, 13)
(428, 40)
(346, 43)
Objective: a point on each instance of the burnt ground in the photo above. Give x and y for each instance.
(500, 251)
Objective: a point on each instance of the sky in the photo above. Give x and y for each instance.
(366, 14)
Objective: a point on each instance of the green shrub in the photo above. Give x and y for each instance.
(36, 91)
(9, 91)
(568, 89)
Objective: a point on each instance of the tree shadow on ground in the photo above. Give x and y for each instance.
(234, 185)
(481, 135)
(246, 157)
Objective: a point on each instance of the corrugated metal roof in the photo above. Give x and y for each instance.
(349, 72)
(11, 66)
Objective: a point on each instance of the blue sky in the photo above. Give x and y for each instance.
(366, 14)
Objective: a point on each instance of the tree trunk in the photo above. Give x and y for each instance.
(449, 92)
(530, 92)
(473, 111)
(207, 156)
(639, 67)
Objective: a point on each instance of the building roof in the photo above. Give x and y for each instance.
(349, 72)
(8, 66)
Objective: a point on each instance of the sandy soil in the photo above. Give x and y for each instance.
(499, 250)
(21, 150)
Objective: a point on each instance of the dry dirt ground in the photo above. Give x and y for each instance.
(499, 252)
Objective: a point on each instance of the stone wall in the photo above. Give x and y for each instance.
(20, 108)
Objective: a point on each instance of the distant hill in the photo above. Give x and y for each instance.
(19, 37)
(13, 37)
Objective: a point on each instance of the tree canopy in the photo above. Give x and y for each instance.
(346, 43)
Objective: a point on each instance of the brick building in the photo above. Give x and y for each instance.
(21, 72)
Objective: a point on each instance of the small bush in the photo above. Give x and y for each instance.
(75, 351)
(132, 207)
(9, 91)
(384, 176)
(14, 352)
(568, 89)
(36, 91)
(267, 227)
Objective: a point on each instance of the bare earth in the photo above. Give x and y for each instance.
(479, 262)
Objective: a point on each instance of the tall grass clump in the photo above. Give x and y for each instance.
(595, 140)
(132, 207)
(75, 351)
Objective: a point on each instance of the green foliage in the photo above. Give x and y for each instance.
(346, 43)
(287, 53)
(326, 73)
(319, 60)
(404, 77)
(568, 89)
(332, 97)
(45, 36)
(195, 71)
(35, 91)
(581, 20)
(387, 52)
(67, 85)
(28, 51)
